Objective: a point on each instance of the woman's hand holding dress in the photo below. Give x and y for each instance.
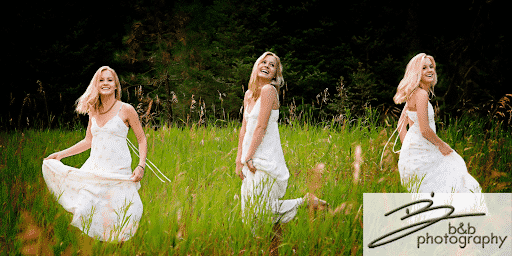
(251, 166)
(137, 174)
(238, 169)
(57, 156)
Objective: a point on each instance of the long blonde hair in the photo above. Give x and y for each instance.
(412, 78)
(90, 101)
(277, 81)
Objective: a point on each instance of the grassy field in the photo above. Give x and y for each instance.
(199, 211)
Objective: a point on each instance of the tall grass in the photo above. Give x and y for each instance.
(199, 211)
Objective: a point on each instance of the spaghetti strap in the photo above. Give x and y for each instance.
(120, 108)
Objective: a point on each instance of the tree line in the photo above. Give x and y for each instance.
(188, 62)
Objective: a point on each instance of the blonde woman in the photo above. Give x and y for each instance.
(103, 193)
(260, 161)
(426, 164)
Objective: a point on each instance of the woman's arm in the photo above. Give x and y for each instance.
(134, 122)
(402, 124)
(268, 96)
(78, 148)
(241, 135)
(421, 97)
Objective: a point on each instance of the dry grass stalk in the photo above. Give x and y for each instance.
(181, 225)
(357, 163)
(314, 186)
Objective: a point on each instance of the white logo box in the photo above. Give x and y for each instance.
(480, 224)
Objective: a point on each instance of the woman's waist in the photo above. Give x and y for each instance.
(266, 152)
(119, 158)
(109, 135)
(269, 145)
(253, 124)
(416, 127)
(419, 148)
(414, 139)
(107, 167)
(271, 130)
(117, 145)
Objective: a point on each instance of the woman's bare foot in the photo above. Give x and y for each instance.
(315, 202)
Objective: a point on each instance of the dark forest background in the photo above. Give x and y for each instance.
(189, 61)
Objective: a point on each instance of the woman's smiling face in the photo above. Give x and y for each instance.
(267, 68)
(106, 83)
(428, 72)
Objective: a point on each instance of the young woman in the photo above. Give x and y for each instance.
(426, 164)
(260, 161)
(102, 194)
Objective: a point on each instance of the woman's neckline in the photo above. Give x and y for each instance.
(110, 119)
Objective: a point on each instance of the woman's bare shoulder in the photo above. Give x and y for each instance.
(268, 87)
(417, 95)
(127, 106)
(268, 90)
(248, 94)
(127, 111)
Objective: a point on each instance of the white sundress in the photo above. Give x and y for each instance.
(420, 158)
(261, 190)
(104, 201)
(423, 170)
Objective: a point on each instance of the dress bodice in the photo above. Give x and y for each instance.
(109, 150)
(114, 126)
(413, 116)
(255, 111)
